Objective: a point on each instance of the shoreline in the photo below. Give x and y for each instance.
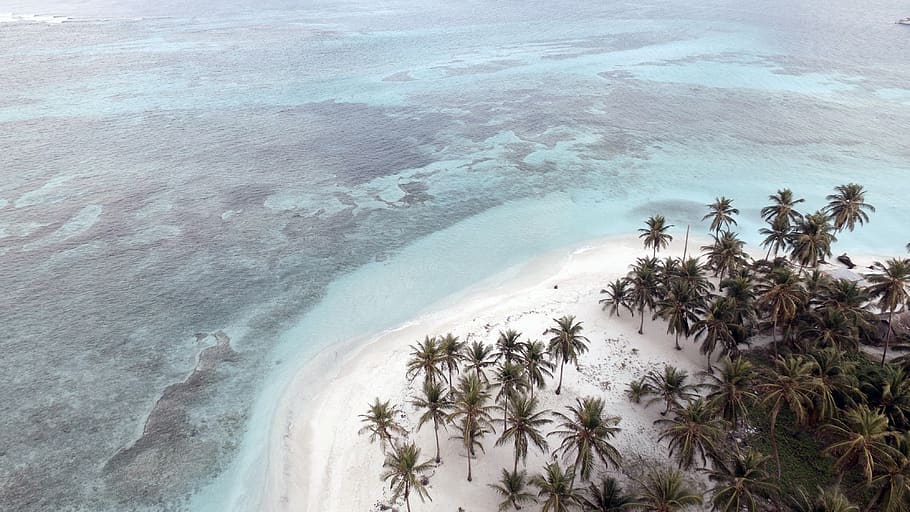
(315, 457)
(522, 297)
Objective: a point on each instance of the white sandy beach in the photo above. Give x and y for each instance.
(318, 462)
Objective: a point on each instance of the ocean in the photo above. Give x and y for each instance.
(195, 199)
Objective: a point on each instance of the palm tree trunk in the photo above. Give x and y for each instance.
(641, 326)
(774, 442)
(407, 495)
(686, 244)
(878, 496)
(436, 429)
(768, 256)
(677, 341)
(469, 463)
(515, 466)
(561, 368)
(774, 336)
(451, 388)
(888, 336)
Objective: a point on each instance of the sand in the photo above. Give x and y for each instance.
(318, 462)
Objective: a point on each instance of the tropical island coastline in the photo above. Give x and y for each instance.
(321, 455)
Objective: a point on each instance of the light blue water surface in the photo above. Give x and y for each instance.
(296, 175)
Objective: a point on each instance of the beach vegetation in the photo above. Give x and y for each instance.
(403, 468)
(471, 415)
(586, 432)
(381, 422)
(451, 355)
(426, 357)
(655, 234)
(672, 386)
(742, 483)
(566, 344)
(847, 206)
(722, 214)
(513, 487)
(435, 404)
(666, 490)
(522, 427)
(694, 434)
(537, 364)
(556, 488)
(605, 495)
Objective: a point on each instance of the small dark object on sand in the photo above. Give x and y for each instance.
(843, 258)
(555, 286)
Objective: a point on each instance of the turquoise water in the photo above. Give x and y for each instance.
(299, 175)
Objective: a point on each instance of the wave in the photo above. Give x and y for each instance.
(51, 19)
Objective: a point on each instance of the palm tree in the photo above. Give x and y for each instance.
(812, 239)
(730, 389)
(425, 358)
(826, 500)
(508, 346)
(791, 383)
(890, 286)
(778, 237)
(726, 254)
(837, 382)
(892, 478)
(644, 280)
(638, 389)
(618, 296)
(478, 357)
(436, 403)
(403, 469)
(605, 496)
(451, 354)
(655, 234)
(847, 206)
(721, 213)
(567, 343)
(666, 490)
(782, 297)
(585, 433)
(509, 379)
(782, 209)
(861, 441)
(380, 422)
(693, 272)
(716, 327)
(740, 291)
(889, 392)
(522, 427)
(537, 366)
(693, 430)
(851, 300)
(471, 414)
(680, 308)
(742, 483)
(512, 487)
(670, 386)
(829, 327)
(557, 487)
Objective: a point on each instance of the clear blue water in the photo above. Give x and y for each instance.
(296, 175)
